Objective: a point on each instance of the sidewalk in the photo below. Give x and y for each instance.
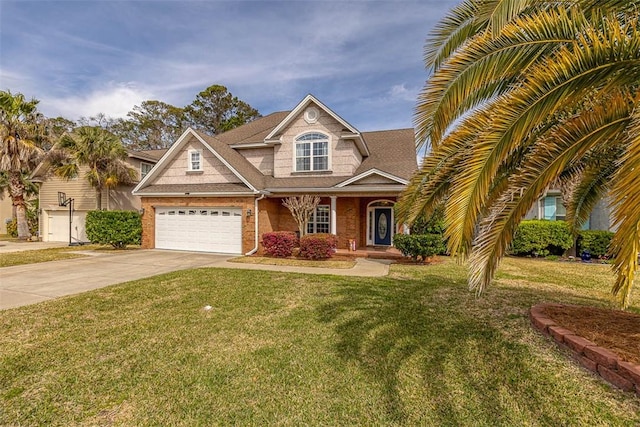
(365, 267)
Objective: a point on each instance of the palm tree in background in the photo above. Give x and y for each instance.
(97, 149)
(22, 130)
(526, 94)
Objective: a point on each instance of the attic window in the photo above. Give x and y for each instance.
(312, 152)
(194, 160)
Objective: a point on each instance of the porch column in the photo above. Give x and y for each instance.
(333, 215)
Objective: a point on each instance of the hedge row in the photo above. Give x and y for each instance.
(542, 237)
(596, 242)
(115, 228)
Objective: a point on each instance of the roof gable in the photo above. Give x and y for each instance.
(239, 167)
(351, 132)
(373, 177)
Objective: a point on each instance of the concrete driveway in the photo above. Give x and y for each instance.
(28, 284)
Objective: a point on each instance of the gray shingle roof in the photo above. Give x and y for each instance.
(391, 151)
(253, 132)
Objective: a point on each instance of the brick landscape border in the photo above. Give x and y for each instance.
(599, 360)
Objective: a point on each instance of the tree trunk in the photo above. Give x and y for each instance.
(99, 200)
(16, 191)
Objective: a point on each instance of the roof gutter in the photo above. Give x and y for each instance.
(256, 216)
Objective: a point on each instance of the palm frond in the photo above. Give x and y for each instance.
(555, 150)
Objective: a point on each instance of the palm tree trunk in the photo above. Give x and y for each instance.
(99, 200)
(16, 191)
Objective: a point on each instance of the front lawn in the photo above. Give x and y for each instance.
(53, 254)
(415, 348)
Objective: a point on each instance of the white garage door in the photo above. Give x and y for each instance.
(199, 229)
(58, 227)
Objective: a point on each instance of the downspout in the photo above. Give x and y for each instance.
(256, 216)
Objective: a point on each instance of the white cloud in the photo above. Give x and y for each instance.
(400, 92)
(115, 100)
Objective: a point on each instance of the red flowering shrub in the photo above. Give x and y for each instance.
(318, 246)
(279, 244)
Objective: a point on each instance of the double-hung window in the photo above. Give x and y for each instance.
(312, 152)
(319, 221)
(145, 168)
(194, 160)
(552, 208)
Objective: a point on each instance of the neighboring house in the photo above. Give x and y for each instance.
(222, 193)
(54, 219)
(550, 207)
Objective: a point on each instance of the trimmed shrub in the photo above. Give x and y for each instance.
(432, 225)
(279, 244)
(115, 228)
(419, 245)
(318, 246)
(539, 237)
(595, 241)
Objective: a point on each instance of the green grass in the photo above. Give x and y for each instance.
(294, 262)
(52, 254)
(38, 255)
(415, 348)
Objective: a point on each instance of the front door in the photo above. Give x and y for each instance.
(382, 227)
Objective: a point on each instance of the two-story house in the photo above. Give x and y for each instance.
(220, 194)
(54, 219)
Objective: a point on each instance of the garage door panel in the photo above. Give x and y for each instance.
(57, 227)
(199, 229)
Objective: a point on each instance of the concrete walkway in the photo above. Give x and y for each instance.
(32, 283)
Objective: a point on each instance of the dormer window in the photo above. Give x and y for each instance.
(312, 152)
(194, 160)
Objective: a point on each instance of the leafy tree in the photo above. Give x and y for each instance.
(215, 110)
(22, 130)
(99, 120)
(151, 125)
(100, 151)
(524, 94)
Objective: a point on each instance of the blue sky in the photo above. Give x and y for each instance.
(363, 59)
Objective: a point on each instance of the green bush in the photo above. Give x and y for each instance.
(318, 246)
(595, 241)
(115, 228)
(539, 237)
(431, 225)
(419, 245)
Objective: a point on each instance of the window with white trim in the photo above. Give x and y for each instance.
(312, 152)
(145, 168)
(319, 221)
(552, 208)
(194, 160)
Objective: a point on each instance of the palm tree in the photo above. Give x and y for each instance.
(97, 149)
(525, 94)
(22, 130)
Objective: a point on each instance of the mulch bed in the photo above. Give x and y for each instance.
(618, 331)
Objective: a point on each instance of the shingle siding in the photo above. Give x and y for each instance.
(213, 170)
